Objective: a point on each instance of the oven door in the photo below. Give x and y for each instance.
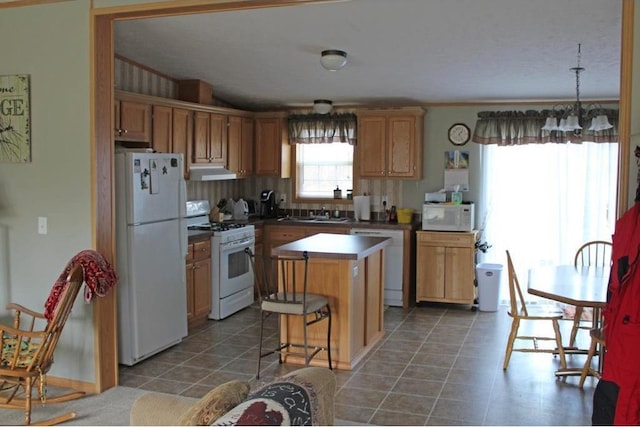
(235, 269)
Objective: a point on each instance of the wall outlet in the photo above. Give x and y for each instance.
(42, 225)
(283, 197)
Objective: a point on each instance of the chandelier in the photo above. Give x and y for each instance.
(572, 117)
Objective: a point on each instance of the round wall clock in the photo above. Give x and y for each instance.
(459, 134)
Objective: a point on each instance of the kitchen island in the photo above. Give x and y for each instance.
(349, 271)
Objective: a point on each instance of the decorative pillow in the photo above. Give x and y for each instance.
(216, 403)
(279, 403)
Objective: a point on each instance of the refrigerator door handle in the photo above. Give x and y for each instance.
(182, 193)
(184, 238)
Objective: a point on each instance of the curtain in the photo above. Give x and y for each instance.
(542, 201)
(322, 128)
(525, 127)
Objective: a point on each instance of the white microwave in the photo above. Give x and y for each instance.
(446, 217)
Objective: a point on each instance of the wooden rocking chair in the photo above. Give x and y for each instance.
(27, 352)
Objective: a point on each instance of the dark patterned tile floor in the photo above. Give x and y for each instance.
(437, 365)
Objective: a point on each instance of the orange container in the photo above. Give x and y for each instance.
(405, 216)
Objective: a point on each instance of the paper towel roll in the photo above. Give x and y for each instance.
(362, 208)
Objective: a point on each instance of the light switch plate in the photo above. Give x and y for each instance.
(42, 225)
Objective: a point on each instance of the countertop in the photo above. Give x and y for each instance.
(198, 235)
(333, 246)
(347, 224)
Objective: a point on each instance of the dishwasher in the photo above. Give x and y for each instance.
(393, 270)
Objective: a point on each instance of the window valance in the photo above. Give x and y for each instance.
(322, 128)
(525, 127)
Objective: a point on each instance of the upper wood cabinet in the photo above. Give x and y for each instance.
(209, 138)
(173, 132)
(240, 145)
(132, 121)
(390, 143)
(272, 149)
(162, 125)
(182, 135)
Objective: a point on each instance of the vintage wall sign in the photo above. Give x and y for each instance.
(15, 122)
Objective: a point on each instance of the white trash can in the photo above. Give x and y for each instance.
(488, 276)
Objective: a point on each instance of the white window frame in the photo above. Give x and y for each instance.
(326, 193)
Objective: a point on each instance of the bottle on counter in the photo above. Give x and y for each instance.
(393, 215)
(337, 193)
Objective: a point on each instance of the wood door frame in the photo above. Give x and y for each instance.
(102, 125)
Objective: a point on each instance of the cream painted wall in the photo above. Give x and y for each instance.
(51, 44)
(436, 124)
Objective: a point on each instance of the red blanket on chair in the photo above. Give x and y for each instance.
(99, 278)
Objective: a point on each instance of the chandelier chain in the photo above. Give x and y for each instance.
(578, 70)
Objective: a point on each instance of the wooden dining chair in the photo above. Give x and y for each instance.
(519, 312)
(597, 342)
(596, 253)
(286, 296)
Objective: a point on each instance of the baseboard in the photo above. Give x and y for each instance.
(90, 388)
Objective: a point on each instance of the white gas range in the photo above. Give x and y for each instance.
(231, 273)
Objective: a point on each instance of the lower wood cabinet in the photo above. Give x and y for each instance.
(445, 266)
(198, 282)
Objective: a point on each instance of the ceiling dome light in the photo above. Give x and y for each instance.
(322, 106)
(333, 60)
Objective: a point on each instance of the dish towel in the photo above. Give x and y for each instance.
(99, 278)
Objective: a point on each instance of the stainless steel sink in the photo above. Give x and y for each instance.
(331, 219)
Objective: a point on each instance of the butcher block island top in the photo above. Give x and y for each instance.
(333, 246)
(349, 271)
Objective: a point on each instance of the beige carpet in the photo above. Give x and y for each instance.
(110, 408)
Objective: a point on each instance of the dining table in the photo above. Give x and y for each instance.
(583, 286)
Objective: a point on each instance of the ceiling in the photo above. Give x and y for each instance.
(400, 52)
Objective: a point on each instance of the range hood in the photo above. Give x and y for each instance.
(210, 173)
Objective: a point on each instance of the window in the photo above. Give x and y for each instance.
(323, 146)
(322, 167)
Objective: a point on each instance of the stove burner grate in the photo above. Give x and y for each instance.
(216, 226)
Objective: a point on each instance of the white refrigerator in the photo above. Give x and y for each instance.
(151, 245)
